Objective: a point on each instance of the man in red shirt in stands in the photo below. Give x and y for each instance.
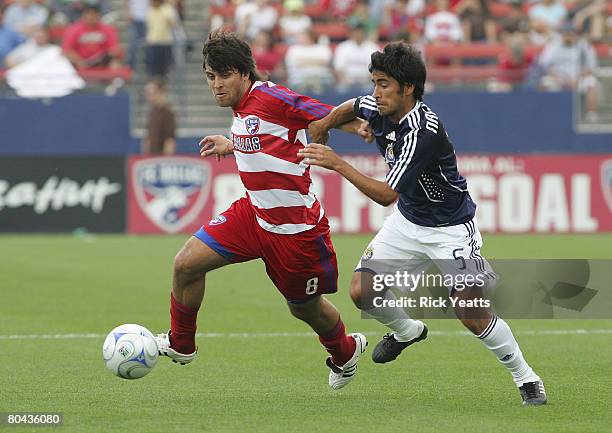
(89, 43)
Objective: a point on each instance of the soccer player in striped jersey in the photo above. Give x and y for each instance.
(434, 216)
(279, 220)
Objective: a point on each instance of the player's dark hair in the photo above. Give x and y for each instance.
(403, 63)
(226, 52)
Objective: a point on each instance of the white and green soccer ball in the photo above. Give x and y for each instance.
(130, 351)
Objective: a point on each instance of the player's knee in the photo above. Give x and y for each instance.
(184, 265)
(303, 311)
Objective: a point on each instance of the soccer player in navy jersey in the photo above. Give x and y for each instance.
(434, 218)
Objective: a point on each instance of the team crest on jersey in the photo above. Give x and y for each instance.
(606, 182)
(217, 220)
(368, 253)
(389, 155)
(172, 192)
(252, 125)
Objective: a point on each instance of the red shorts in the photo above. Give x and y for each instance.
(301, 265)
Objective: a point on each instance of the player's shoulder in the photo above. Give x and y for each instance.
(423, 119)
(366, 101)
(272, 97)
(267, 90)
(265, 98)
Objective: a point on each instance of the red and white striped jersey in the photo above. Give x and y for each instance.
(269, 128)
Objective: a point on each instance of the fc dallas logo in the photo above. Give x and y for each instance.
(252, 125)
(606, 182)
(171, 191)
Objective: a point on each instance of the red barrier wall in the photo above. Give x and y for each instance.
(515, 194)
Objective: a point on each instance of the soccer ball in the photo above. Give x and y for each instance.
(130, 351)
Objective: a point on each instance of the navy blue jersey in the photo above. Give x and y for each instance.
(423, 167)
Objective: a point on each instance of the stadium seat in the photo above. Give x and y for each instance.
(499, 9)
(337, 31)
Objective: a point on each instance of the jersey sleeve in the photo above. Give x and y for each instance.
(365, 108)
(419, 150)
(297, 110)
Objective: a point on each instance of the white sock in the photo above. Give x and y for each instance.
(395, 318)
(498, 338)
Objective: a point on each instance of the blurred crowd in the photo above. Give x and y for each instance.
(314, 44)
(548, 44)
(87, 35)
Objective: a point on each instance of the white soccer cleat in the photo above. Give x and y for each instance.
(164, 349)
(339, 377)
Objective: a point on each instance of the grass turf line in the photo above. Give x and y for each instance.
(61, 284)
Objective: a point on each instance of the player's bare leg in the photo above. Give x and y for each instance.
(497, 337)
(405, 331)
(191, 264)
(324, 319)
(318, 312)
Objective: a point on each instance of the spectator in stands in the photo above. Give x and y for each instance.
(161, 137)
(545, 19)
(294, 21)
(136, 12)
(338, 9)
(253, 16)
(568, 63)
(308, 64)
(513, 65)
(443, 26)
(591, 17)
(68, 11)
(36, 44)
(396, 19)
(161, 18)
(89, 43)
(515, 22)
(351, 60)
(25, 16)
(268, 58)
(9, 39)
(361, 15)
(477, 22)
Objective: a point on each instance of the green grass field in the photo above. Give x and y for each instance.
(272, 383)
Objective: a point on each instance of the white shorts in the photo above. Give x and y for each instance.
(403, 245)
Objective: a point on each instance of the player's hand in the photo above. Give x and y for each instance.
(321, 155)
(365, 132)
(216, 145)
(319, 133)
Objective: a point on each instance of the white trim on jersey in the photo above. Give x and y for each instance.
(301, 137)
(427, 194)
(410, 144)
(239, 128)
(273, 198)
(368, 102)
(415, 109)
(256, 84)
(287, 229)
(259, 162)
(447, 181)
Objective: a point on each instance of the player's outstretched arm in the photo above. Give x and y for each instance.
(216, 145)
(359, 127)
(324, 156)
(342, 114)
